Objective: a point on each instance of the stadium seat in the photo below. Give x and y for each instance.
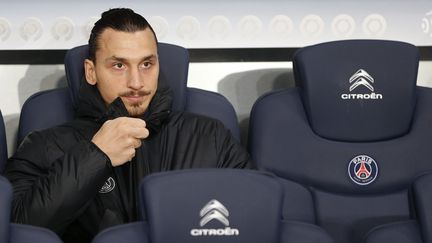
(53, 107)
(212, 205)
(19, 233)
(3, 145)
(350, 140)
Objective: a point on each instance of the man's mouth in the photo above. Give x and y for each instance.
(135, 97)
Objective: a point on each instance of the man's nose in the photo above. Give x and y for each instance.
(135, 79)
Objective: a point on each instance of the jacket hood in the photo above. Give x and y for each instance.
(92, 107)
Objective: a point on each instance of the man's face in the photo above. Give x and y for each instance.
(126, 66)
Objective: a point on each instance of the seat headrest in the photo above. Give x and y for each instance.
(5, 208)
(358, 90)
(212, 205)
(173, 63)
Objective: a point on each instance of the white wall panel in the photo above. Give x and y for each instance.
(43, 24)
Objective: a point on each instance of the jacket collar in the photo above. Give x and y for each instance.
(91, 106)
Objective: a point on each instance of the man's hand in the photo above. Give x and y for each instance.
(120, 137)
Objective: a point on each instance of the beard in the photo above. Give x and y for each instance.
(136, 109)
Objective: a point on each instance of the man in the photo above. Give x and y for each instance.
(82, 177)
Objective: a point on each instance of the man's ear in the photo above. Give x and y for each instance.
(90, 72)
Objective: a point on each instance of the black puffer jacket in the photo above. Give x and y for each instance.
(64, 182)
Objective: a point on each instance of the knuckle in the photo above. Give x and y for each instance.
(130, 141)
(107, 123)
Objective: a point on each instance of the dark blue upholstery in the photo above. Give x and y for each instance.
(330, 73)
(213, 205)
(3, 145)
(252, 200)
(316, 141)
(19, 233)
(174, 66)
(49, 108)
(214, 105)
(423, 202)
(298, 232)
(45, 109)
(5, 209)
(399, 232)
(136, 232)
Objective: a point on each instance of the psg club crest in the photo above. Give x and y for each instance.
(363, 170)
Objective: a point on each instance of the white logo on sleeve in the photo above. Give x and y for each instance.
(108, 186)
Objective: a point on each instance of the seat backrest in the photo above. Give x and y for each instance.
(19, 233)
(212, 205)
(5, 208)
(241, 205)
(3, 144)
(350, 139)
(45, 109)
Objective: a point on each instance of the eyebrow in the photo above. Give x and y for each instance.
(125, 60)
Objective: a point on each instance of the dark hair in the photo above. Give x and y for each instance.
(121, 19)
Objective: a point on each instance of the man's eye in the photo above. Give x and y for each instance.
(146, 65)
(118, 66)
